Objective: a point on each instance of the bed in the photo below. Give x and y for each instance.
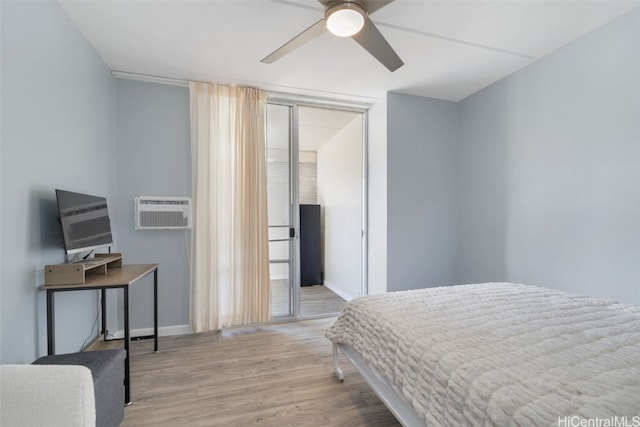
(495, 354)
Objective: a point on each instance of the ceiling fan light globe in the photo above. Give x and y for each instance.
(345, 20)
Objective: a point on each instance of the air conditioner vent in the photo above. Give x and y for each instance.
(162, 213)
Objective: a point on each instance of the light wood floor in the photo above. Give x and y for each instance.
(272, 375)
(318, 299)
(314, 300)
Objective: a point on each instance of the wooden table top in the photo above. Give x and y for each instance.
(124, 276)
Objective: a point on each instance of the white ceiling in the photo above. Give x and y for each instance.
(319, 125)
(451, 48)
(316, 126)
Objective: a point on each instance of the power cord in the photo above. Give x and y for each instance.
(186, 247)
(93, 327)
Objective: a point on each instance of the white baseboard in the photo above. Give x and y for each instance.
(163, 331)
(336, 290)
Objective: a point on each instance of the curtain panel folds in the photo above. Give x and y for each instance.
(229, 246)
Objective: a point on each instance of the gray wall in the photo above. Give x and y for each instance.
(551, 170)
(421, 192)
(58, 128)
(545, 170)
(485, 132)
(153, 159)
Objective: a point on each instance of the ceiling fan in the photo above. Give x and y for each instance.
(347, 18)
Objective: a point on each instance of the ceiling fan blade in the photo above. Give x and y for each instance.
(373, 5)
(307, 35)
(374, 42)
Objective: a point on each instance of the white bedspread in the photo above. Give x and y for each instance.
(500, 354)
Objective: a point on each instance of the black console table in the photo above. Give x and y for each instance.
(121, 277)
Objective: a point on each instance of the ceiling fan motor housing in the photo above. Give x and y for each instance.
(344, 18)
(328, 5)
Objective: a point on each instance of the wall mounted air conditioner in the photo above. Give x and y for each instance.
(163, 213)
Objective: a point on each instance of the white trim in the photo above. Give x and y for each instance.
(294, 94)
(342, 102)
(364, 243)
(342, 294)
(149, 78)
(164, 331)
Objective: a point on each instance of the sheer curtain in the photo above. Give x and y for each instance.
(229, 245)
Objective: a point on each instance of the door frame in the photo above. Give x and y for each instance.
(294, 102)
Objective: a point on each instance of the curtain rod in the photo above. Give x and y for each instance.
(341, 100)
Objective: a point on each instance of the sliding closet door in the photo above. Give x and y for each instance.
(316, 189)
(280, 201)
(331, 193)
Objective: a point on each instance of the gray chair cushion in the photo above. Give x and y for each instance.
(107, 370)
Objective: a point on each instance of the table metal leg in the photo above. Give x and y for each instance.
(51, 333)
(127, 341)
(155, 310)
(103, 306)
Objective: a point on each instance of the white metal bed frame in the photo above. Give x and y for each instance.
(385, 391)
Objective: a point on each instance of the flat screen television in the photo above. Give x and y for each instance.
(84, 220)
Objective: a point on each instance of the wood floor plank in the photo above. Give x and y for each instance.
(314, 300)
(272, 375)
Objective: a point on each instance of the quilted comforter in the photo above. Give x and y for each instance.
(500, 354)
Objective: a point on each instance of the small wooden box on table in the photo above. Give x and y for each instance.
(76, 273)
(103, 272)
